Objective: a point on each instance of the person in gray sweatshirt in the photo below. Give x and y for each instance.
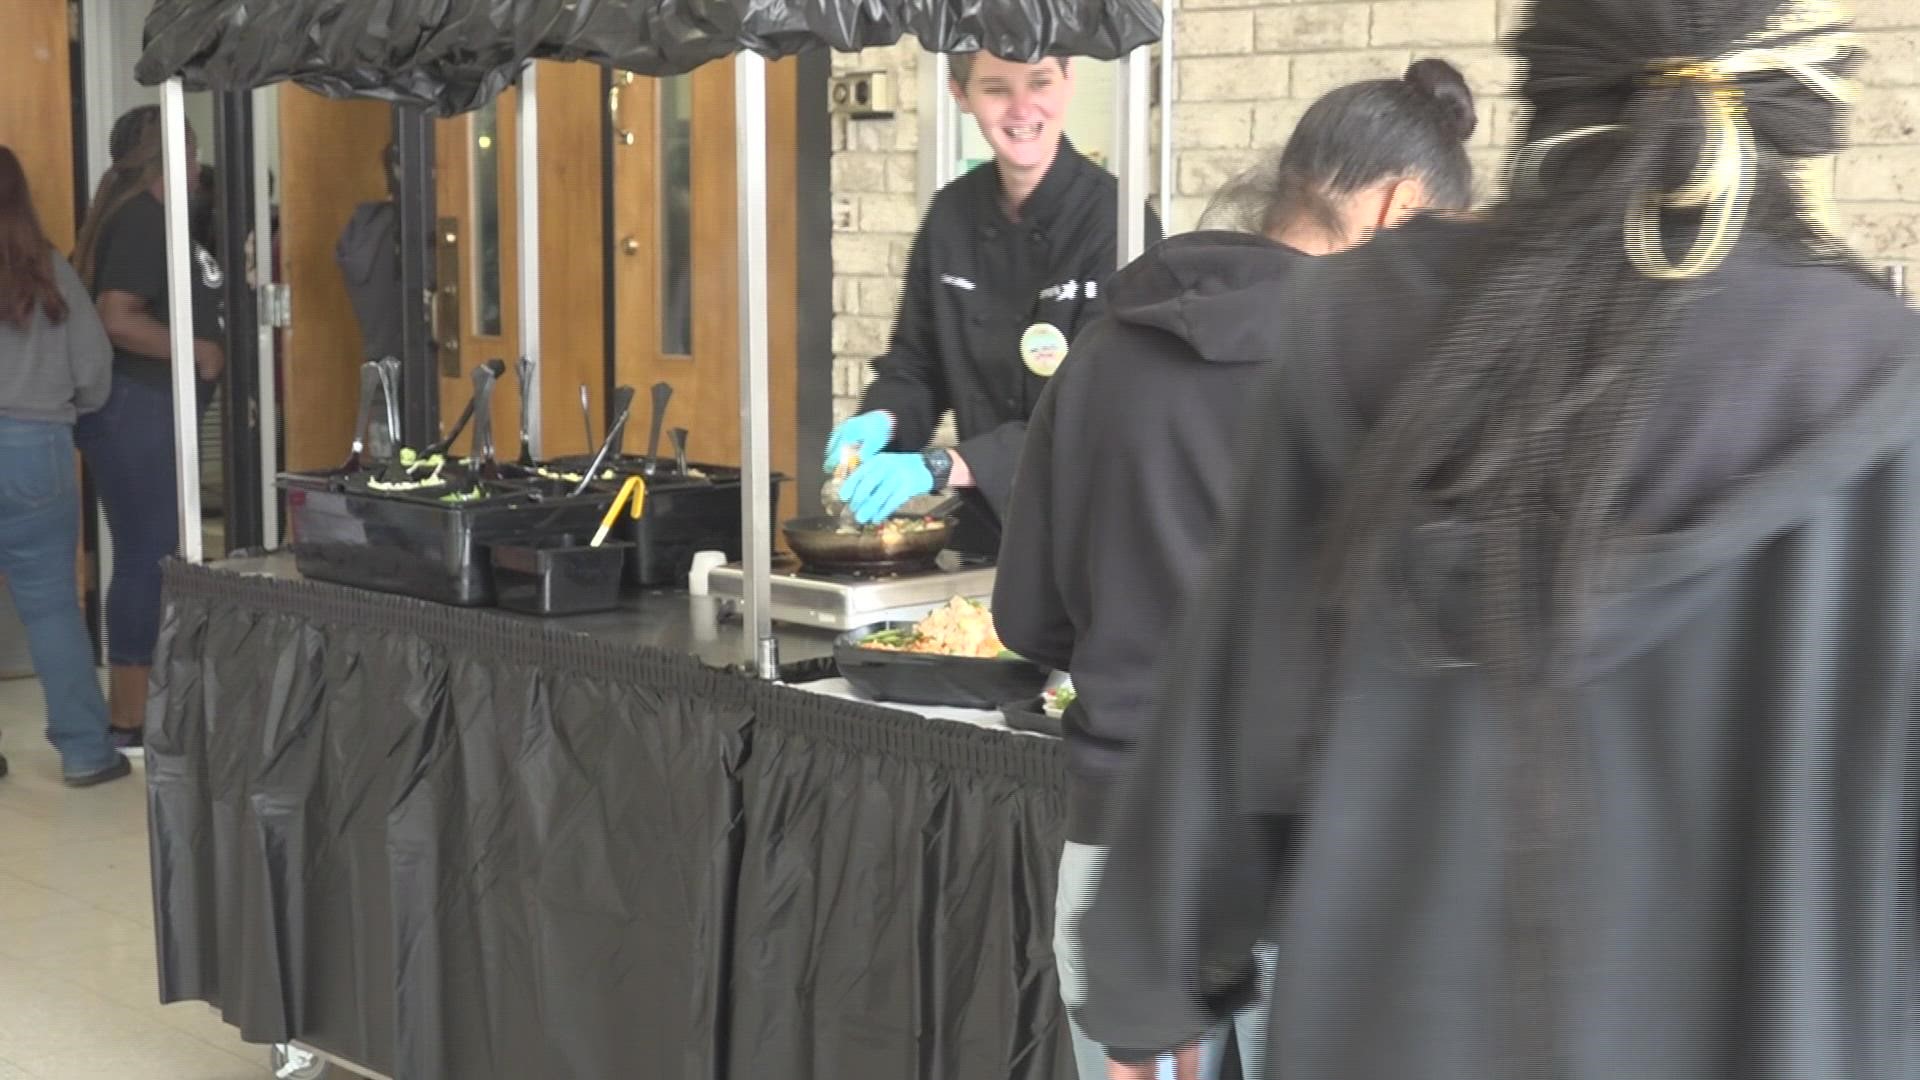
(55, 364)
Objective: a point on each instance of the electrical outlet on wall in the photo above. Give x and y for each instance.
(863, 95)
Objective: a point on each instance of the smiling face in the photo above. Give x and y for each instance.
(1020, 108)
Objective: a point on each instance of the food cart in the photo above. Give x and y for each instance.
(427, 841)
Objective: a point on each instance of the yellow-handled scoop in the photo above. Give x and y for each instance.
(636, 489)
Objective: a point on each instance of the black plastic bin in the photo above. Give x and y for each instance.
(413, 544)
(683, 515)
(558, 576)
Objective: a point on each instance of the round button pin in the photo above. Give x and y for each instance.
(1043, 348)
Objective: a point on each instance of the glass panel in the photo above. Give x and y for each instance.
(484, 170)
(676, 215)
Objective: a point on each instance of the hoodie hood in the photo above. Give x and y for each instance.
(1212, 290)
(1792, 382)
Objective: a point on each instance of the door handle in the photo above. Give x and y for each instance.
(630, 246)
(620, 134)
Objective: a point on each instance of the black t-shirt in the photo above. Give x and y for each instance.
(131, 257)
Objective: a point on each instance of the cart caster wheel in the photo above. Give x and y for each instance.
(291, 1062)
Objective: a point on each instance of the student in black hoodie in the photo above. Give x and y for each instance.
(1124, 479)
(1556, 669)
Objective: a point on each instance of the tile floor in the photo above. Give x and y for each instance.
(78, 988)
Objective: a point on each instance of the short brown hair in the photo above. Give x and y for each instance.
(960, 67)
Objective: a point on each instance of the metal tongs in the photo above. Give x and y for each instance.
(389, 370)
(481, 455)
(497, 368)
(524, 369)
(369, 385)
(622, 406)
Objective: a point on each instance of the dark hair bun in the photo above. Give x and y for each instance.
(1448, 88)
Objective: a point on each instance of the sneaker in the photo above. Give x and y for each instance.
(120, 767)
(130, 741)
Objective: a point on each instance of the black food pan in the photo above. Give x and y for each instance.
(959, 682)
(686, 512)
(418, 544)
(1030, 714)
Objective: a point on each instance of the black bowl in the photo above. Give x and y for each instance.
(956, 682)
(1030, 714)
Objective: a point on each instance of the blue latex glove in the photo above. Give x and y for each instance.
(868, 433)
(883, 483)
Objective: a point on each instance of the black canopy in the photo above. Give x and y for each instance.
(453, 55)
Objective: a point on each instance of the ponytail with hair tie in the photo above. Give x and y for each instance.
(1808, 41)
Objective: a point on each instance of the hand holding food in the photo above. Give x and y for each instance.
(883, 484)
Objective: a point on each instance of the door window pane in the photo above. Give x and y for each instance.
(676, 216)
(484, 168)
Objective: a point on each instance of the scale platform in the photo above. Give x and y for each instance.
(801, 598)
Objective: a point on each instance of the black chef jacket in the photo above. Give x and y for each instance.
(975, 282)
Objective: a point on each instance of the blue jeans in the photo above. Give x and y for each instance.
(1079, 876)
(39, 540)
(129, 450)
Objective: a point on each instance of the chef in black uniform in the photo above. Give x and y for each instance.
(1006, 269)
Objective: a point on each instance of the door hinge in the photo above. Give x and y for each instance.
(276, 306)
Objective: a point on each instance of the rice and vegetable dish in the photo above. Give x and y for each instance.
(963, 628)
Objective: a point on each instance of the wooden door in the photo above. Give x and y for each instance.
(331, 161)
(36, 112)
(477, 193)
(675, 265)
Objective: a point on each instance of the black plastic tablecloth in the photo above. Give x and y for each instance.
(445, 843)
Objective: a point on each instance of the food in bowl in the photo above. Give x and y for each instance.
(1056, 701)
(962, 628)
(546, 473)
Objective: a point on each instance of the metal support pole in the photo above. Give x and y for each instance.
(186, 409)
(237, 152)
(1130, 143)
(419, 377)
(1169, 90)
(527, 177)
(939, 134)
(265, 102)
(756, 512)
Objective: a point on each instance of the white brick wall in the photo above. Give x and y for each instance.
(1249, 68)
(876, 209)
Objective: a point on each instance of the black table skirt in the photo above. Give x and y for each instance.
(445, 843)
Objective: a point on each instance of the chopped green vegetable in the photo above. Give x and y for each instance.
(569, 477)
(468, 495)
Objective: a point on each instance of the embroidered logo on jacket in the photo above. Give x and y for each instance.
(1071, 290)
(210, 273)
(957, 282)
